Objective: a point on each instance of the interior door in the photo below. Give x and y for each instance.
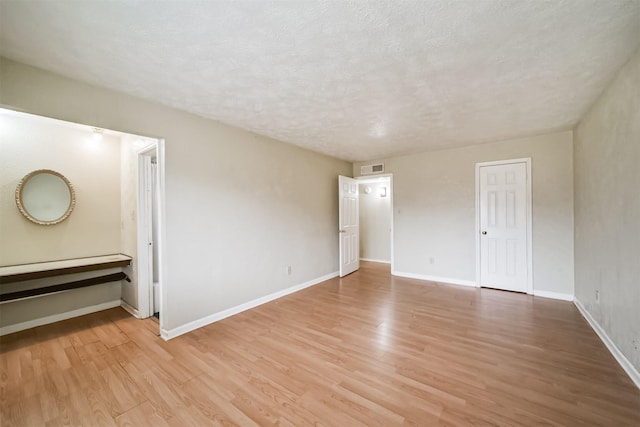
(148, 228)
(348, 225)
(503, 226)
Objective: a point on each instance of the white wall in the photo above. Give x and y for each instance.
(434, 209)
(375, 222)
(239, 207)
(607, 210)
(92, 229)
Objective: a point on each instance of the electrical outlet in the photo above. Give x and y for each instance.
(288, 270)
(598, 297)
(432, 260)
(636, 345)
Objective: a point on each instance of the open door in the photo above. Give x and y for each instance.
(145, 233)
(348, 225)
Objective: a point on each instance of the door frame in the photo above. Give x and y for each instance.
(364, 180)
(529, 245)
(145, 285)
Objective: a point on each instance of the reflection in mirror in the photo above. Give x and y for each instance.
(45, 197)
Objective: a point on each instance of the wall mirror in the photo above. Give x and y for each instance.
(45, 197)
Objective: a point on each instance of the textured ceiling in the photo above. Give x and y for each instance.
(353, 79)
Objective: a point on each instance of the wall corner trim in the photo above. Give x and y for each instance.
(617, 354)
(168, 334)
(448, 280)
(17, 327)
(554, 295)
(130, 309)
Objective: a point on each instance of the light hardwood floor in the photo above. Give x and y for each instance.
(368, 349)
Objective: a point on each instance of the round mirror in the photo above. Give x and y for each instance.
(45, 197)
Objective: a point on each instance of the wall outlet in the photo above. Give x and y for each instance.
(598, 297)
(636, 345)
(288, 270)
(432, 260)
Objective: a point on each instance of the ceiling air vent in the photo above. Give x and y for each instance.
(371, 169)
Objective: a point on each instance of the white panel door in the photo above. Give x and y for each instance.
(503, 226)
(348, 226)
(145, 237)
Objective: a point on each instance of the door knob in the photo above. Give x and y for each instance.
(341, 231)
(484, 232)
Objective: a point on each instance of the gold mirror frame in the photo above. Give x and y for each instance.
(23, 210)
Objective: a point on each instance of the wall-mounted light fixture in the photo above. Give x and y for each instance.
(383, 191)
(97, 134)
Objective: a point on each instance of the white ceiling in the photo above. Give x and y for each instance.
(352, 79)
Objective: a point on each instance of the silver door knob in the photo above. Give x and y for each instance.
(341, 231)
(484, 232)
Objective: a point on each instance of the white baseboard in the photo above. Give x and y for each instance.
(132, 311)
(622, 360)
(180, 330)
(554, 295)
(381, 261)
(9, 329)
(448, 280)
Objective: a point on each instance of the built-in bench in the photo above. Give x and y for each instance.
(24, 272)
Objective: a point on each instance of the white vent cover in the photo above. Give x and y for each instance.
(371, 169)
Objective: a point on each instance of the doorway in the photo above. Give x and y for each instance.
(150, 238)
(349, 202)
(503, 219)
(375, 219)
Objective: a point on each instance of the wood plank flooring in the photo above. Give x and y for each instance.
(365, 350)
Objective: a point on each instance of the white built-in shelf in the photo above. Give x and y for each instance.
(19, 273)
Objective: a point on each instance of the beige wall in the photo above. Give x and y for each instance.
(607, 210)
(239, 207)
(375, 222)
(20, 314)
(434, 209)
(92, 229)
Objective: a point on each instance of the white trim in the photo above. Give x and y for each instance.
(144, 209)
(392, 202)
(57, 317)
(180, 330)
(478, 243)
(162, 234)
(529, 227)
(143, 228)
(448, 280)
(553, 295)
(617, 354)
(527, 162)
(130, 309)
(368, 179)
(381, 261)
